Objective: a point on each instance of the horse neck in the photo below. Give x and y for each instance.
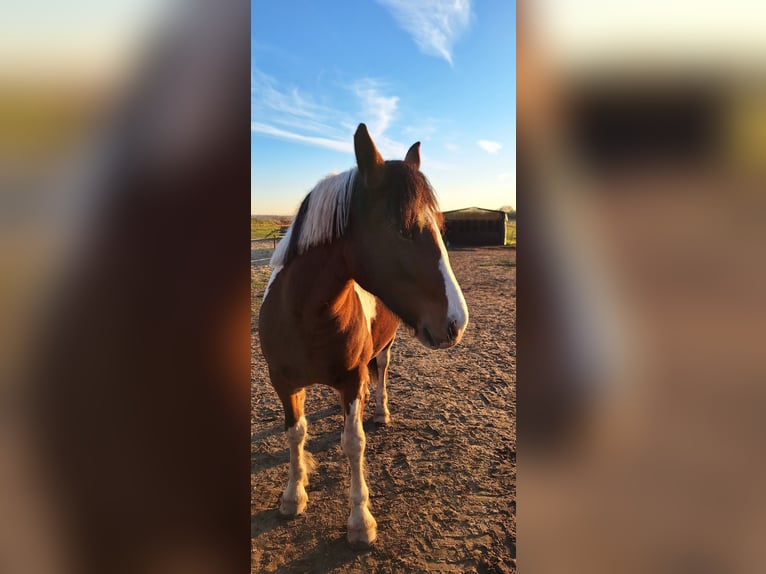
(325, 274)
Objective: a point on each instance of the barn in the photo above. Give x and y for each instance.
(475, 226)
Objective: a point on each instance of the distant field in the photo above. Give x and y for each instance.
(261, 227)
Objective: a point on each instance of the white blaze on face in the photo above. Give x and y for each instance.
(456, 307)
(368, 305)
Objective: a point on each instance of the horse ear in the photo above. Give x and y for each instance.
(367, 157)
(413, 156)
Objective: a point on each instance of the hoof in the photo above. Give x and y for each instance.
(382, 418)
(362, 529)
(361, 539)
(292, 508)
(287, 517)
(359, 545)
(290, 511)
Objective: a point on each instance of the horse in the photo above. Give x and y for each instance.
(364, 251)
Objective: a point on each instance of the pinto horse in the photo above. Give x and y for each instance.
(364, 251)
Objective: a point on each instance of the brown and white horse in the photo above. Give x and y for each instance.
(364, 251)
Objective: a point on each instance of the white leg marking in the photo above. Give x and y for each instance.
(294, 498)
(362, 528)
(456, 308)
(368, 305)
(382, 415)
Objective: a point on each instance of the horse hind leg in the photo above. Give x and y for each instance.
(382, 414)
(294, 497)
(362, 528)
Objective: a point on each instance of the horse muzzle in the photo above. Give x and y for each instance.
(444, 338)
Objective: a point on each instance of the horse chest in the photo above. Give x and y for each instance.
(340, 343)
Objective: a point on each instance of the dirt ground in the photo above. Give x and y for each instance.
(442, 475)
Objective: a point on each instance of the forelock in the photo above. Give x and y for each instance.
(410, 199)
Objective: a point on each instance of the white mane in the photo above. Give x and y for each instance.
(326, 216)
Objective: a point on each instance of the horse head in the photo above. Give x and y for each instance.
(395, 245)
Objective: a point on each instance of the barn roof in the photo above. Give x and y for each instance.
(474, 213)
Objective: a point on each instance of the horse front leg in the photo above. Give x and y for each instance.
(382, 414)
(294, 498)
(362, 528)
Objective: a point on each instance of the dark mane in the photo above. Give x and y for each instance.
(409, 196)
(297, 228)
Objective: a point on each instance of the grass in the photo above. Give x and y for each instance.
(510, 234)
(260, 228)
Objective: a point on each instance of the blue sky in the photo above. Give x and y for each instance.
(439, 72)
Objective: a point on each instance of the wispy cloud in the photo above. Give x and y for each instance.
(424, 128)
(379, 110)
(287, 106)
(329, 143)
(435, 25)
(489, 146)
(286, 112)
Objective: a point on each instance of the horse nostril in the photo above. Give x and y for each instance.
(452, 330)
